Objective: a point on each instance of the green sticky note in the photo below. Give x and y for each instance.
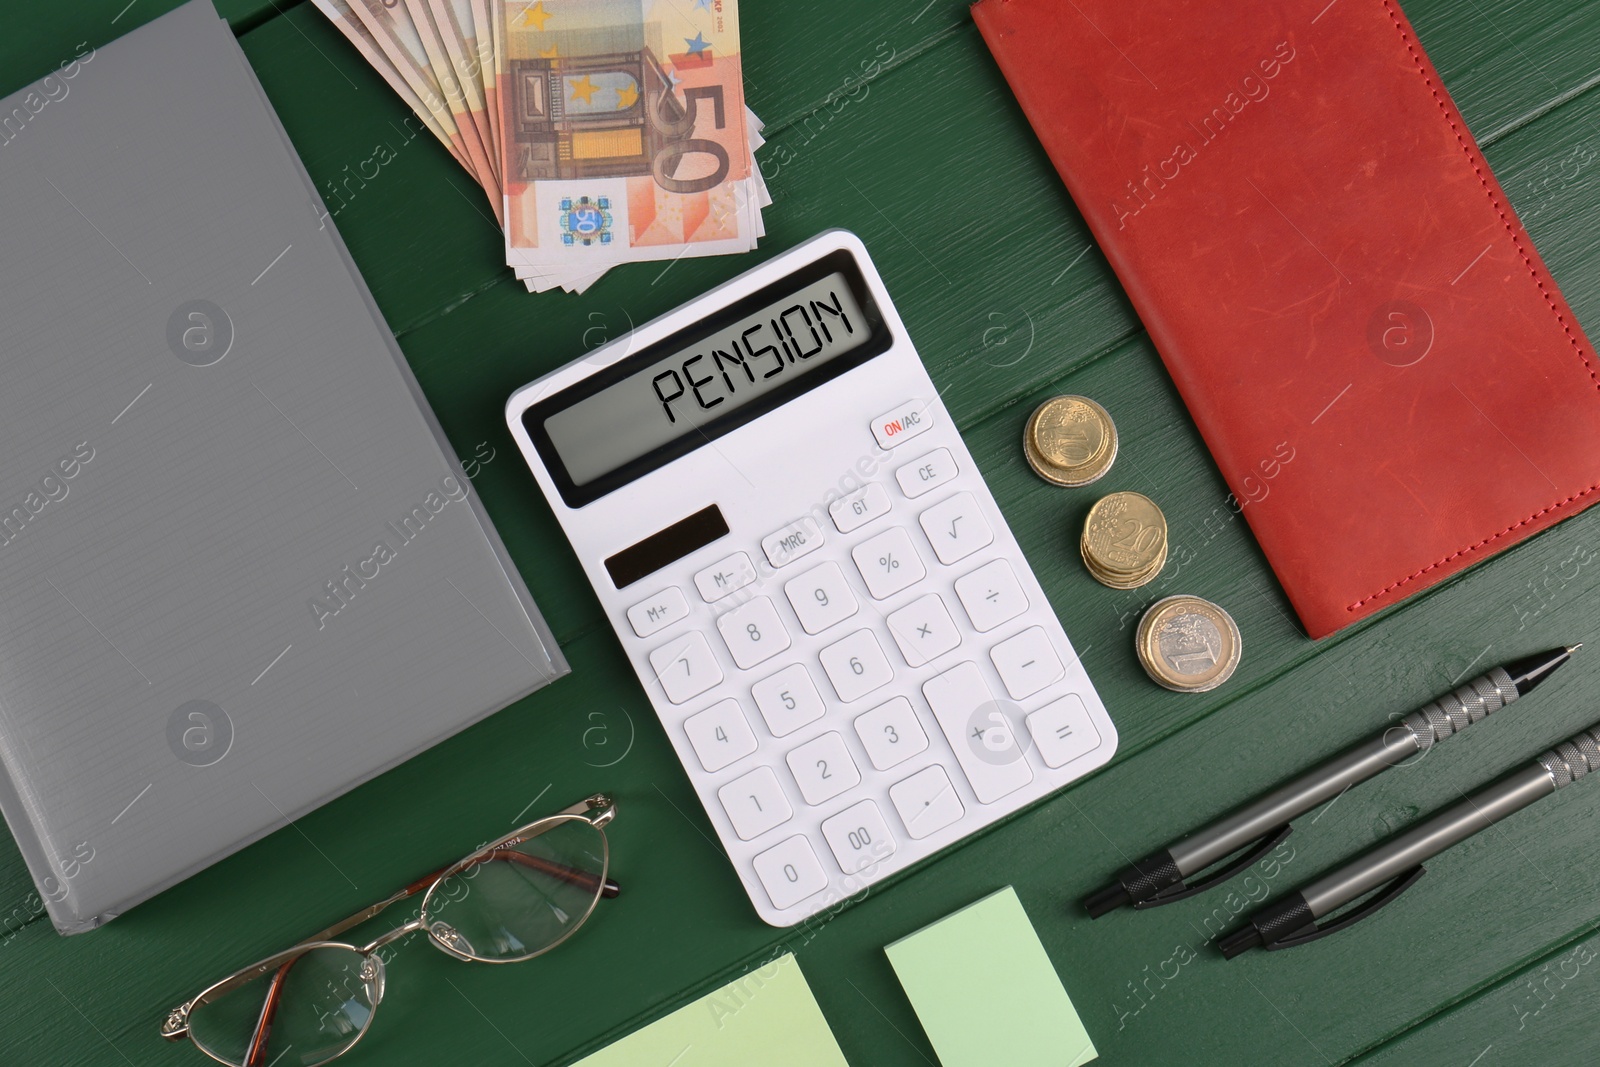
(768, 1016)
(985, 991)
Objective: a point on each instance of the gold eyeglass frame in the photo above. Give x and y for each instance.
(597, 811)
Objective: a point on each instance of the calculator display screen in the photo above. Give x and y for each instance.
(700, 383)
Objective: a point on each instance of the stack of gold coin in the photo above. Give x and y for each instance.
(1187, 644)
(1070, 440)
(1124, 541)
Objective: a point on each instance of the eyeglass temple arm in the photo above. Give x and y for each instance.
(587, 880)
(257, 1054)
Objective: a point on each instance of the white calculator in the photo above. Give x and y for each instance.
(809, 575)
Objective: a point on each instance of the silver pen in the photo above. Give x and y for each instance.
(1161, 877)
(1397, 862)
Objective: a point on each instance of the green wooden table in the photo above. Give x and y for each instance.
(890, 119)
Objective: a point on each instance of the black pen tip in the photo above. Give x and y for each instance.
(1240, 941)
(1529, 671)
(1106, 900)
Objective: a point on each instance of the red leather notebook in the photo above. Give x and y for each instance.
(1330, 272)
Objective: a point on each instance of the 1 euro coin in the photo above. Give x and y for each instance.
(1187, 644)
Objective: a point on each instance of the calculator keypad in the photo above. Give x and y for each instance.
(755, 803)
(720, 735)
(685, 667)
(823, 768)
(891, 733)
(888, 563)
(926, 802)
(856, 666)
(924, 630)
(821, 597)
(753, 632)
(790, 871)
(956, 528)
(926, 474)
(724, 576)
(992, 595)
(898, 691)
(788, 700)
(859, 508)
(859, 836)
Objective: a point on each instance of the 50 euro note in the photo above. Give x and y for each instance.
(623, 132)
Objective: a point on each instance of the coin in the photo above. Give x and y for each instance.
(1187, 644)
(1116, 580)
(1070, 440)
(1124, 542)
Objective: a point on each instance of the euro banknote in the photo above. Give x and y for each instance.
(622, 131)
(602, 131)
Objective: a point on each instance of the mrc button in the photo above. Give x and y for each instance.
(903, 423)
(797, 539)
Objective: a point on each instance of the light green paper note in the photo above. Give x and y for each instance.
(766, 1017)
(985, 991)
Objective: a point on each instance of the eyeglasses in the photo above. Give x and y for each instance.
(511, 900)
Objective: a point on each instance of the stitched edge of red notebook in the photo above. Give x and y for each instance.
(1536, 270)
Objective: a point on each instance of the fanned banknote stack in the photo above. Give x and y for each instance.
(602, 131)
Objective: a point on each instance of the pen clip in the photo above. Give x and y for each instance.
(1183, 890)
(1312, 931)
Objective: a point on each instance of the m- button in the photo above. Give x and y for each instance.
(724, 576)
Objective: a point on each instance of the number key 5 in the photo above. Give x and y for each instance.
(788, 700)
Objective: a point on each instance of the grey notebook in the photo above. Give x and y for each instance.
(240, 570)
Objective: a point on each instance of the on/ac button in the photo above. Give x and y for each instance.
(903, 423)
